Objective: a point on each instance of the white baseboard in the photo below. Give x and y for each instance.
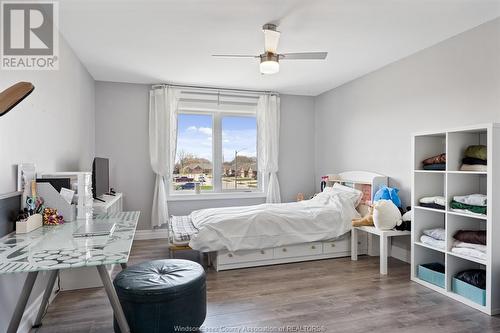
(151, 234)
(401, 254)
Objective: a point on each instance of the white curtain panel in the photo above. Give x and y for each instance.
(162, 145)
(268, 125)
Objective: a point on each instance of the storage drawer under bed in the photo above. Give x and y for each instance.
(299, 250)
(290, 253)
(226, 257)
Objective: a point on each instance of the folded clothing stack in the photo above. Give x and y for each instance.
(470, 243)
(437, 162)
(436, 202)
(475, 277)
(470, 204)
(434, 237)
(474, 159)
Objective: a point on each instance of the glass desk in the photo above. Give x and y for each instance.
(51, 248)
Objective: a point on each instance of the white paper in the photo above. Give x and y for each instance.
(67, 194)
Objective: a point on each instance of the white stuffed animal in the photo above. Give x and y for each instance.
(386, 215)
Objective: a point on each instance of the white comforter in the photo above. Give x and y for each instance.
(326, 216)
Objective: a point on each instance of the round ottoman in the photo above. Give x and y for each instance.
(162, 296)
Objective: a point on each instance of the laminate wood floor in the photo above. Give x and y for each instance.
(334, 295)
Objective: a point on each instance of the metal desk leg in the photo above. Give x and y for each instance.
(46, 297)
(113, 299)
(354, 244)
(21, 303)
(383, 254)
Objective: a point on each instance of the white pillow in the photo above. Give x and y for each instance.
(356, 199)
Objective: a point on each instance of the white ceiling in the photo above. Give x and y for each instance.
(146, 41)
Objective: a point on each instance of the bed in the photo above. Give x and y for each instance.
(248, 236)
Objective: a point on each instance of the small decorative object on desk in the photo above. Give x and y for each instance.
(28, 223)
(50, 217)
(30, 218)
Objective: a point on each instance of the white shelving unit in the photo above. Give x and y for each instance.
(81, 183)
(449, 183)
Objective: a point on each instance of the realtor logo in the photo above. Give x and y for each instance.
(29, 36)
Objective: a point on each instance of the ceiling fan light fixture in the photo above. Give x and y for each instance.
(269, 63)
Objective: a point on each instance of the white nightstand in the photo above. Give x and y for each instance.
(385, 238)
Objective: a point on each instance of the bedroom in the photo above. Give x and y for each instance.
(392, 69)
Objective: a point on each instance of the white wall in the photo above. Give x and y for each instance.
(367, 123)
(122, 136)
(53, 127)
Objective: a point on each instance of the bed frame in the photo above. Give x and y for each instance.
(368, 182)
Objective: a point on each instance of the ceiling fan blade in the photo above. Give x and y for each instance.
(303, 55)
(234, 56)
(13, 95)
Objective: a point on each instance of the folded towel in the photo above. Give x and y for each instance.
(441, 158)
(436, 233)
(437, 166)
(476, 151)
(474, 167)
(439, 244)
(469, 208)
(471, 236)
(439, 200)
(479, 247)
(469, 252)
(471, 199)
(472, 160)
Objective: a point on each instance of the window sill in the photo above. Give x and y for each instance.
(215, 196)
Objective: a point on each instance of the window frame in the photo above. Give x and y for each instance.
(217, 159)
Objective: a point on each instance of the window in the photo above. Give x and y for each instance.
(217, 151)
(239, 153)
(193, 163)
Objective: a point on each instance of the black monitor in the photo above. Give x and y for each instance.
(57, 183)
(100, 176)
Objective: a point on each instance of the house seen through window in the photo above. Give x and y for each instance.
(218, 151)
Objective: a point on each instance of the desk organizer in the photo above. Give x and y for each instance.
(52, 199)
(33, 222)
(431, 276)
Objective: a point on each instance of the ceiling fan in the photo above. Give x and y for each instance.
(269, 60)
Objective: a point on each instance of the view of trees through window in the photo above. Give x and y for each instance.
(194, 158)
(239, 148)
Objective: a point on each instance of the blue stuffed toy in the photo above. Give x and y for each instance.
(388, 193)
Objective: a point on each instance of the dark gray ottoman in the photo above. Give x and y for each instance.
(159, 295)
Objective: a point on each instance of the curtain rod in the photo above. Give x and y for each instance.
(161, 85)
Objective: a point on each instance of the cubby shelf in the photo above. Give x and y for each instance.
(473, 216)
(430, 247)
(476, 260)
(468, 172)
(429, 171)
(453, 172)
(442, 211)
(449, 183)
